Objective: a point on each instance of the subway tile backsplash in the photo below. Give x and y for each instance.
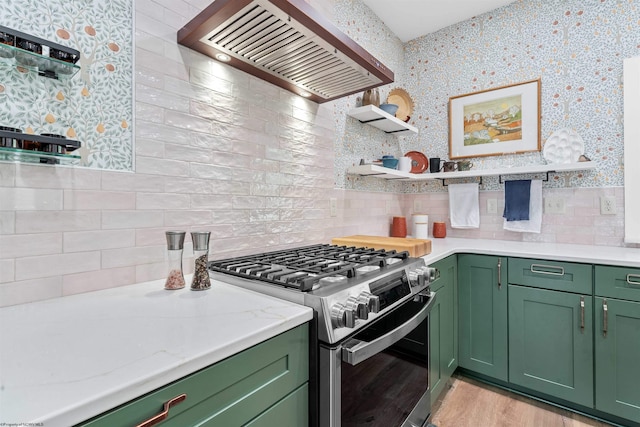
(219, 150)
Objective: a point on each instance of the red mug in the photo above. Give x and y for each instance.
(399, 226)
(439, 229)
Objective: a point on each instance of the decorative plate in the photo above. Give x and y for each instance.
(401, 98)
(419, 162)
(563, 146)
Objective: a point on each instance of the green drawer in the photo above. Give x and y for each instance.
(231, 392)
(292, 411)
(618, 282)
(554, 275)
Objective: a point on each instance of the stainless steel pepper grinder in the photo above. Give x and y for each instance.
(200, 280)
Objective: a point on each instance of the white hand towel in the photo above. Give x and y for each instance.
(464, 205)
(534, 224)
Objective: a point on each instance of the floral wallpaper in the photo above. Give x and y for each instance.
(575, 47)
(94, 106)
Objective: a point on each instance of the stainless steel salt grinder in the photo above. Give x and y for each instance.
(201, 254)
(175, 239)
(175, 245)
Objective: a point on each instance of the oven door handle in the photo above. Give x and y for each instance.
(355, 351)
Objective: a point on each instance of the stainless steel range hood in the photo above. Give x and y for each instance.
(287, 43)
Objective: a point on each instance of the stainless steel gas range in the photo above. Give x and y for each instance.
(369, 344)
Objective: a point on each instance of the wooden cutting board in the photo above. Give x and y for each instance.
(415, 247)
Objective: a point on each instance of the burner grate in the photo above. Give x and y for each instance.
(302, 268)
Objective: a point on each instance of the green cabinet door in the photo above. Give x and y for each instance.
(551, 343)
(618, 357)
(482, 314)
(253, 386)
(443, 326)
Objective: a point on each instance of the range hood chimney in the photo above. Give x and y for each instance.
(287, 43)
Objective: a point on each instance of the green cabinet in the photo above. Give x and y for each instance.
(551, 343)
(443, 326)
(551, 328)
(256, 387)
(573, 330)
(482, 314)
(617, 341)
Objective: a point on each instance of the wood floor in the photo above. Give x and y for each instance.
(469, 403)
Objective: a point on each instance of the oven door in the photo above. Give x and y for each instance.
(380, 376)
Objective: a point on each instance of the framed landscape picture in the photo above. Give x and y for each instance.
(504, 120)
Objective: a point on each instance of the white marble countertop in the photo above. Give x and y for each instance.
(606, 255)
(65, 360)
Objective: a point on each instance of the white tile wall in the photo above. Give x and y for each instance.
(98, 200)
(56, 265)
(6, 272)
(48, 221)
(20, 292)
(25, 245)
(7, 221)
(30, 199)
(216, 150)
(96, 240)
(98, 279)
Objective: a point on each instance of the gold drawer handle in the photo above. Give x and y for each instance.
(633, 282)
(560, 271)
(165, 411)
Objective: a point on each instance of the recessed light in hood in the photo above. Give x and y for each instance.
(287, 43)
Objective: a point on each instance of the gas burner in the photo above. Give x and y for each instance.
(309, 267)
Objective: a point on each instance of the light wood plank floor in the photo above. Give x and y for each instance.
(469, 403)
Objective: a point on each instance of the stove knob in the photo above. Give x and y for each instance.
(416, 277)
(357, 309)
(370, 300)
(341, 317)
(431, 274)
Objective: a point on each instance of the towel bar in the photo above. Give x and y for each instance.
(544, 180)
(444, 184)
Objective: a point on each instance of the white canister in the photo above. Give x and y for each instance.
(419, 218)
(404, 164)
(421, 230)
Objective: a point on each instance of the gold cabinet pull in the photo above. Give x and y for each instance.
(165, 411)
(582, 314)
(605, 317)
(499, 273)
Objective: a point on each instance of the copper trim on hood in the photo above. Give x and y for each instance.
(287, 43)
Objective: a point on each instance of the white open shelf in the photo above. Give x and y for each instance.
(374, 116)
(387, 173)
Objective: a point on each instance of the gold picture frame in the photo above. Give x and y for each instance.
(497, 121)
